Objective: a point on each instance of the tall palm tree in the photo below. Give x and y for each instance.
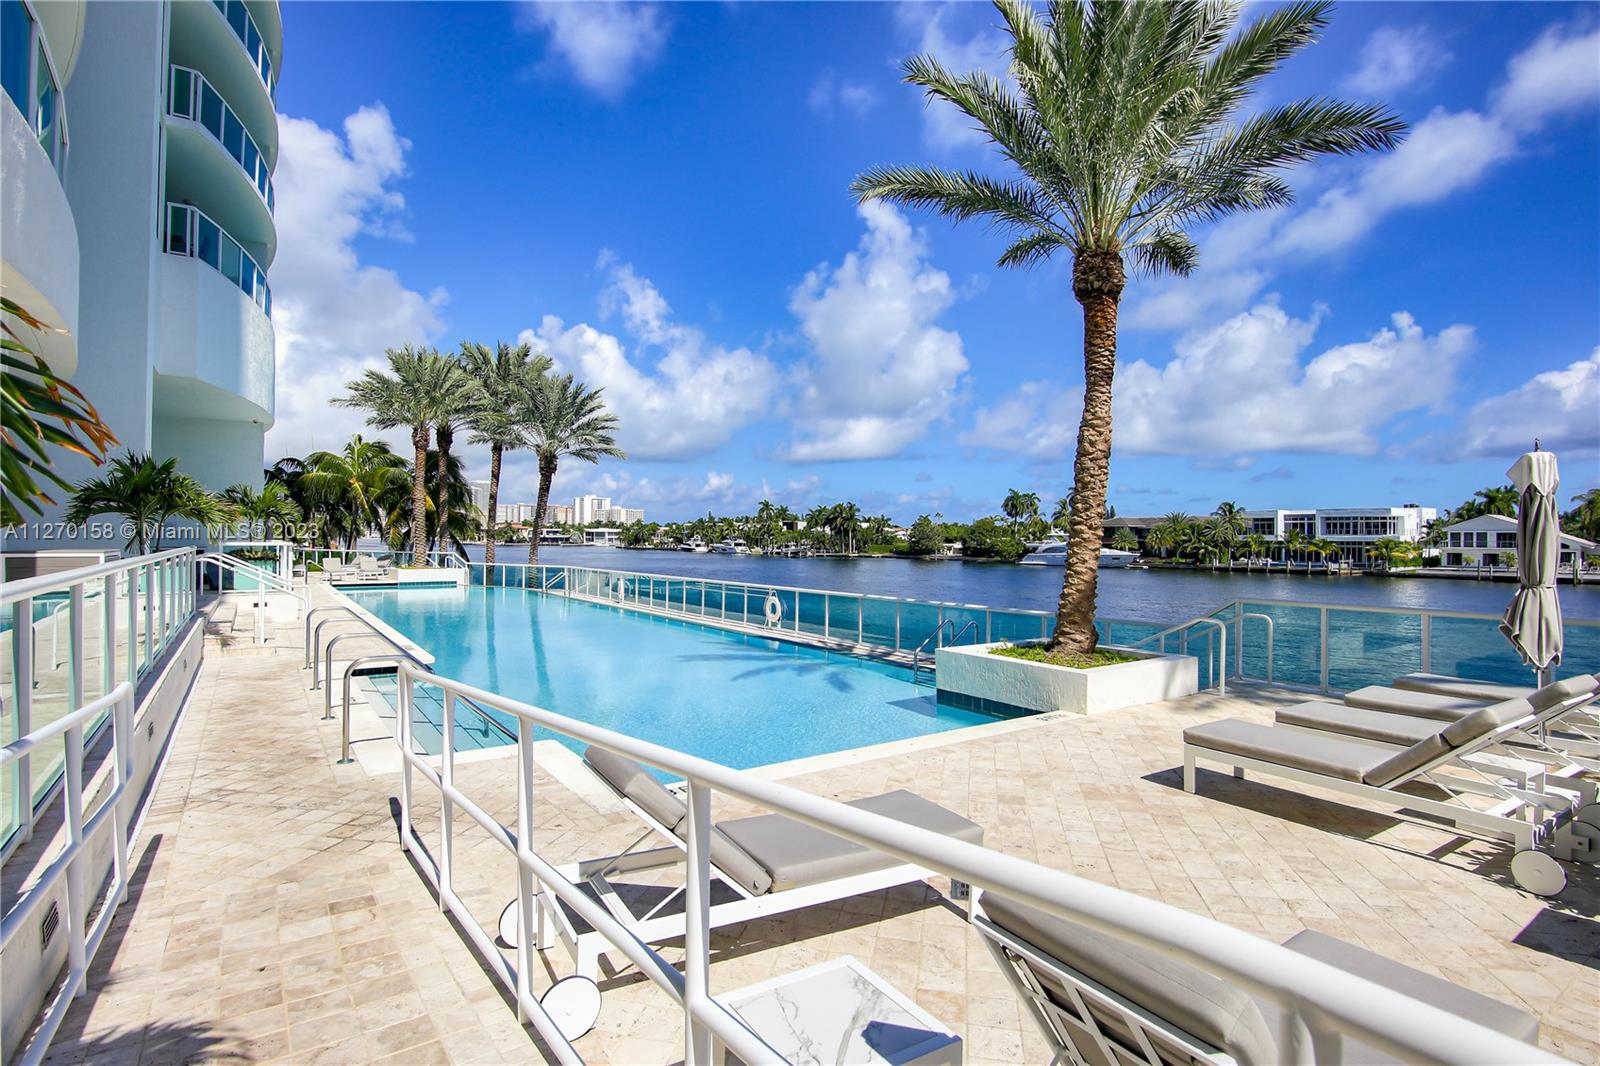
(1220, 536)
(146, 493)
(1127, 126)
(1172, 530)
(503, 377)
(1234, 515)
(347, 488)
(1062, 514)
(1255, 546)
(1584, 519)
(270, 510)
(847, 519)
(1019, 507)
(1501, 500)
(1293, 543)
(564, 417)
(449, 518)
(418, 390)
(460, 398)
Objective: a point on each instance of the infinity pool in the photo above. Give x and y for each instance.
(738, 700)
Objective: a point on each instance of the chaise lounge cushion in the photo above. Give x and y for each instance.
(796, 854)
(1432, 990)
(1202, 1005)
(1334, 756)
(1409, 701)
(1564, 690)
(1484, 721)
(637, 784)
(1445, 685)
(1380, 726)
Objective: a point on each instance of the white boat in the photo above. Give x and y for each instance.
(1053, 552)
(734, 546)
(696, 545)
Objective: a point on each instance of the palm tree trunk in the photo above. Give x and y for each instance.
(494, 505)
(419, 496)
(547, 474)
(1097, 281)
(443, 437)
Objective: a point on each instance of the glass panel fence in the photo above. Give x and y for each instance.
(1371, 648)
(844, 615)
(810, 614)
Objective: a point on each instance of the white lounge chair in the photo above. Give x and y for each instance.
(372, 569)
(1101, 1001)
(769, 864)
(1559, 735)
(1445, 685)
(1442, 775)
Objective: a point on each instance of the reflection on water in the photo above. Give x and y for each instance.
(1166, 597)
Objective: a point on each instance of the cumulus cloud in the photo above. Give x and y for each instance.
(1559, 407)
(679, 394)
(334, 315)
(831, 94)
(1396, 58)
(944, 127)
(1446, 152)
(1243, 387)
(605, 45)
(880, 369)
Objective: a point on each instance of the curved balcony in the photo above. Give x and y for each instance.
(216, 344)
(203, 39)
(191, 233)
(212, 161)
(39, 241)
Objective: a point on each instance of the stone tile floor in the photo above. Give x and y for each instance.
(274, 917)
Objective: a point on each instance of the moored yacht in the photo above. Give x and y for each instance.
(1052, 551)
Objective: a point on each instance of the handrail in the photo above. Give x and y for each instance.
(955, 638)
(1238, 650)
(29, 587)
(1319, 1003)
(349, 672)
(1220, 670)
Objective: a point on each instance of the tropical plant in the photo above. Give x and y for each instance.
(38, 411)
(147, 494)
(268, 511)
(1124, 540)
(1584, 519)
(1019, 507)
(1061, 514)
(503, 377)
(1160, 538)
(290, 472)
(565, 418)
(1170, 533)
(1128, 124)
(1233, 515)
(449, 516)
(418, 390)
(1294, 542)
(1220, 536)
(1256, 547)
(346, 489)
(924, 538)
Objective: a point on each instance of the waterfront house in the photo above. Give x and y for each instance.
(1353, 529)
(1486, 540)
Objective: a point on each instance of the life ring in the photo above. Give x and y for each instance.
(774, 609)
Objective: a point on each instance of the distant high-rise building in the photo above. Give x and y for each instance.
(621, 516)
(556, 514)
(587, 509)
(480, 495)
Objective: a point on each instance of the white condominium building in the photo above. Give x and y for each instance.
(1353, 529)
(480, 495)
(138, 150)
(587, 509)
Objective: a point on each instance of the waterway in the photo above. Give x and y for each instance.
(1157, 596)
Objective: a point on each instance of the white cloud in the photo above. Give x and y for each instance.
(604, 44)
(334, 315)
(1396, 58)
(1560, 407)
(694, 396)
(662, 499)
(880, 371)
(831, 94)
(943, 126)
(1242, 388)
(1446, 152)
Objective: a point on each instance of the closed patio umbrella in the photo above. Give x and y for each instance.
(1533, 621)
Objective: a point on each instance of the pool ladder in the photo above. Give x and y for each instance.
(955, 638)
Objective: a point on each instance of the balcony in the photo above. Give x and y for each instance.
(39, 240)
(213, 163)
(191, 97)
(202, 39)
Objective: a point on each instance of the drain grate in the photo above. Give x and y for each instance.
(47, 928)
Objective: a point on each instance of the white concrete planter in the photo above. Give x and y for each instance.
(429, 575)
(997, 682)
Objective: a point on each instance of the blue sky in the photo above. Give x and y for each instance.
(658, 196)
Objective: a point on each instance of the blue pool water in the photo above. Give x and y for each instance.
(739, 700)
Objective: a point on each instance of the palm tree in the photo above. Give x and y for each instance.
(1234, 515)
(1255, 545)
(1124, 540)
(1220, 536)
(460, 399)
(270, 510)
(1584, 519)
(847, 524)
(1293, 542)
(503, 379)
(564, 417)
(1062, 514)
(449, 517)
(146, 493)
(1124, 129)
(1021, 507)
(419, 390)
(1172, 529)
(347, 487)
(1501, 500)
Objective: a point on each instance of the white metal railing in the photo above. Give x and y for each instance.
(1215, 654)
(191, 96)
(193, 233)
(1320, 1005)
(132, 609)
(265, 583)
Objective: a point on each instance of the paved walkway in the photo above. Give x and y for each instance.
(274, 917)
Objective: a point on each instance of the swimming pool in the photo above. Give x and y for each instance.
(736, 699)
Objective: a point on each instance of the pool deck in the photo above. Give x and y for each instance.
(273, 916)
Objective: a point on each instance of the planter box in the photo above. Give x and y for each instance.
(997, 682)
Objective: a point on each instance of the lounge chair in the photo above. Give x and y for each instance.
(769, 864)
(371, 569)
(1445, 685)
(1100, 1000)
(339, 570)
(1520, 803)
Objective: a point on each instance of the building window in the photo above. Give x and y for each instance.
(1455, 540)
(1266, 527)
(222, 123)
(29, 79)
(191, 233)
(16, 43)
(1505, 540)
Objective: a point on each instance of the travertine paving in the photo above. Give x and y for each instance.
(274, 917)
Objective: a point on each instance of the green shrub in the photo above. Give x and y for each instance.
(1038, 653)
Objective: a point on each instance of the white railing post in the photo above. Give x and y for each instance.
(22, 675)
(403, 728)
(1323, 619)
(77, 906)
(132, 586)
(1427, 642)
(122, 751)
(526, 934)
(447, 807)
(697, 925)
(108, 632)
(150, 611)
